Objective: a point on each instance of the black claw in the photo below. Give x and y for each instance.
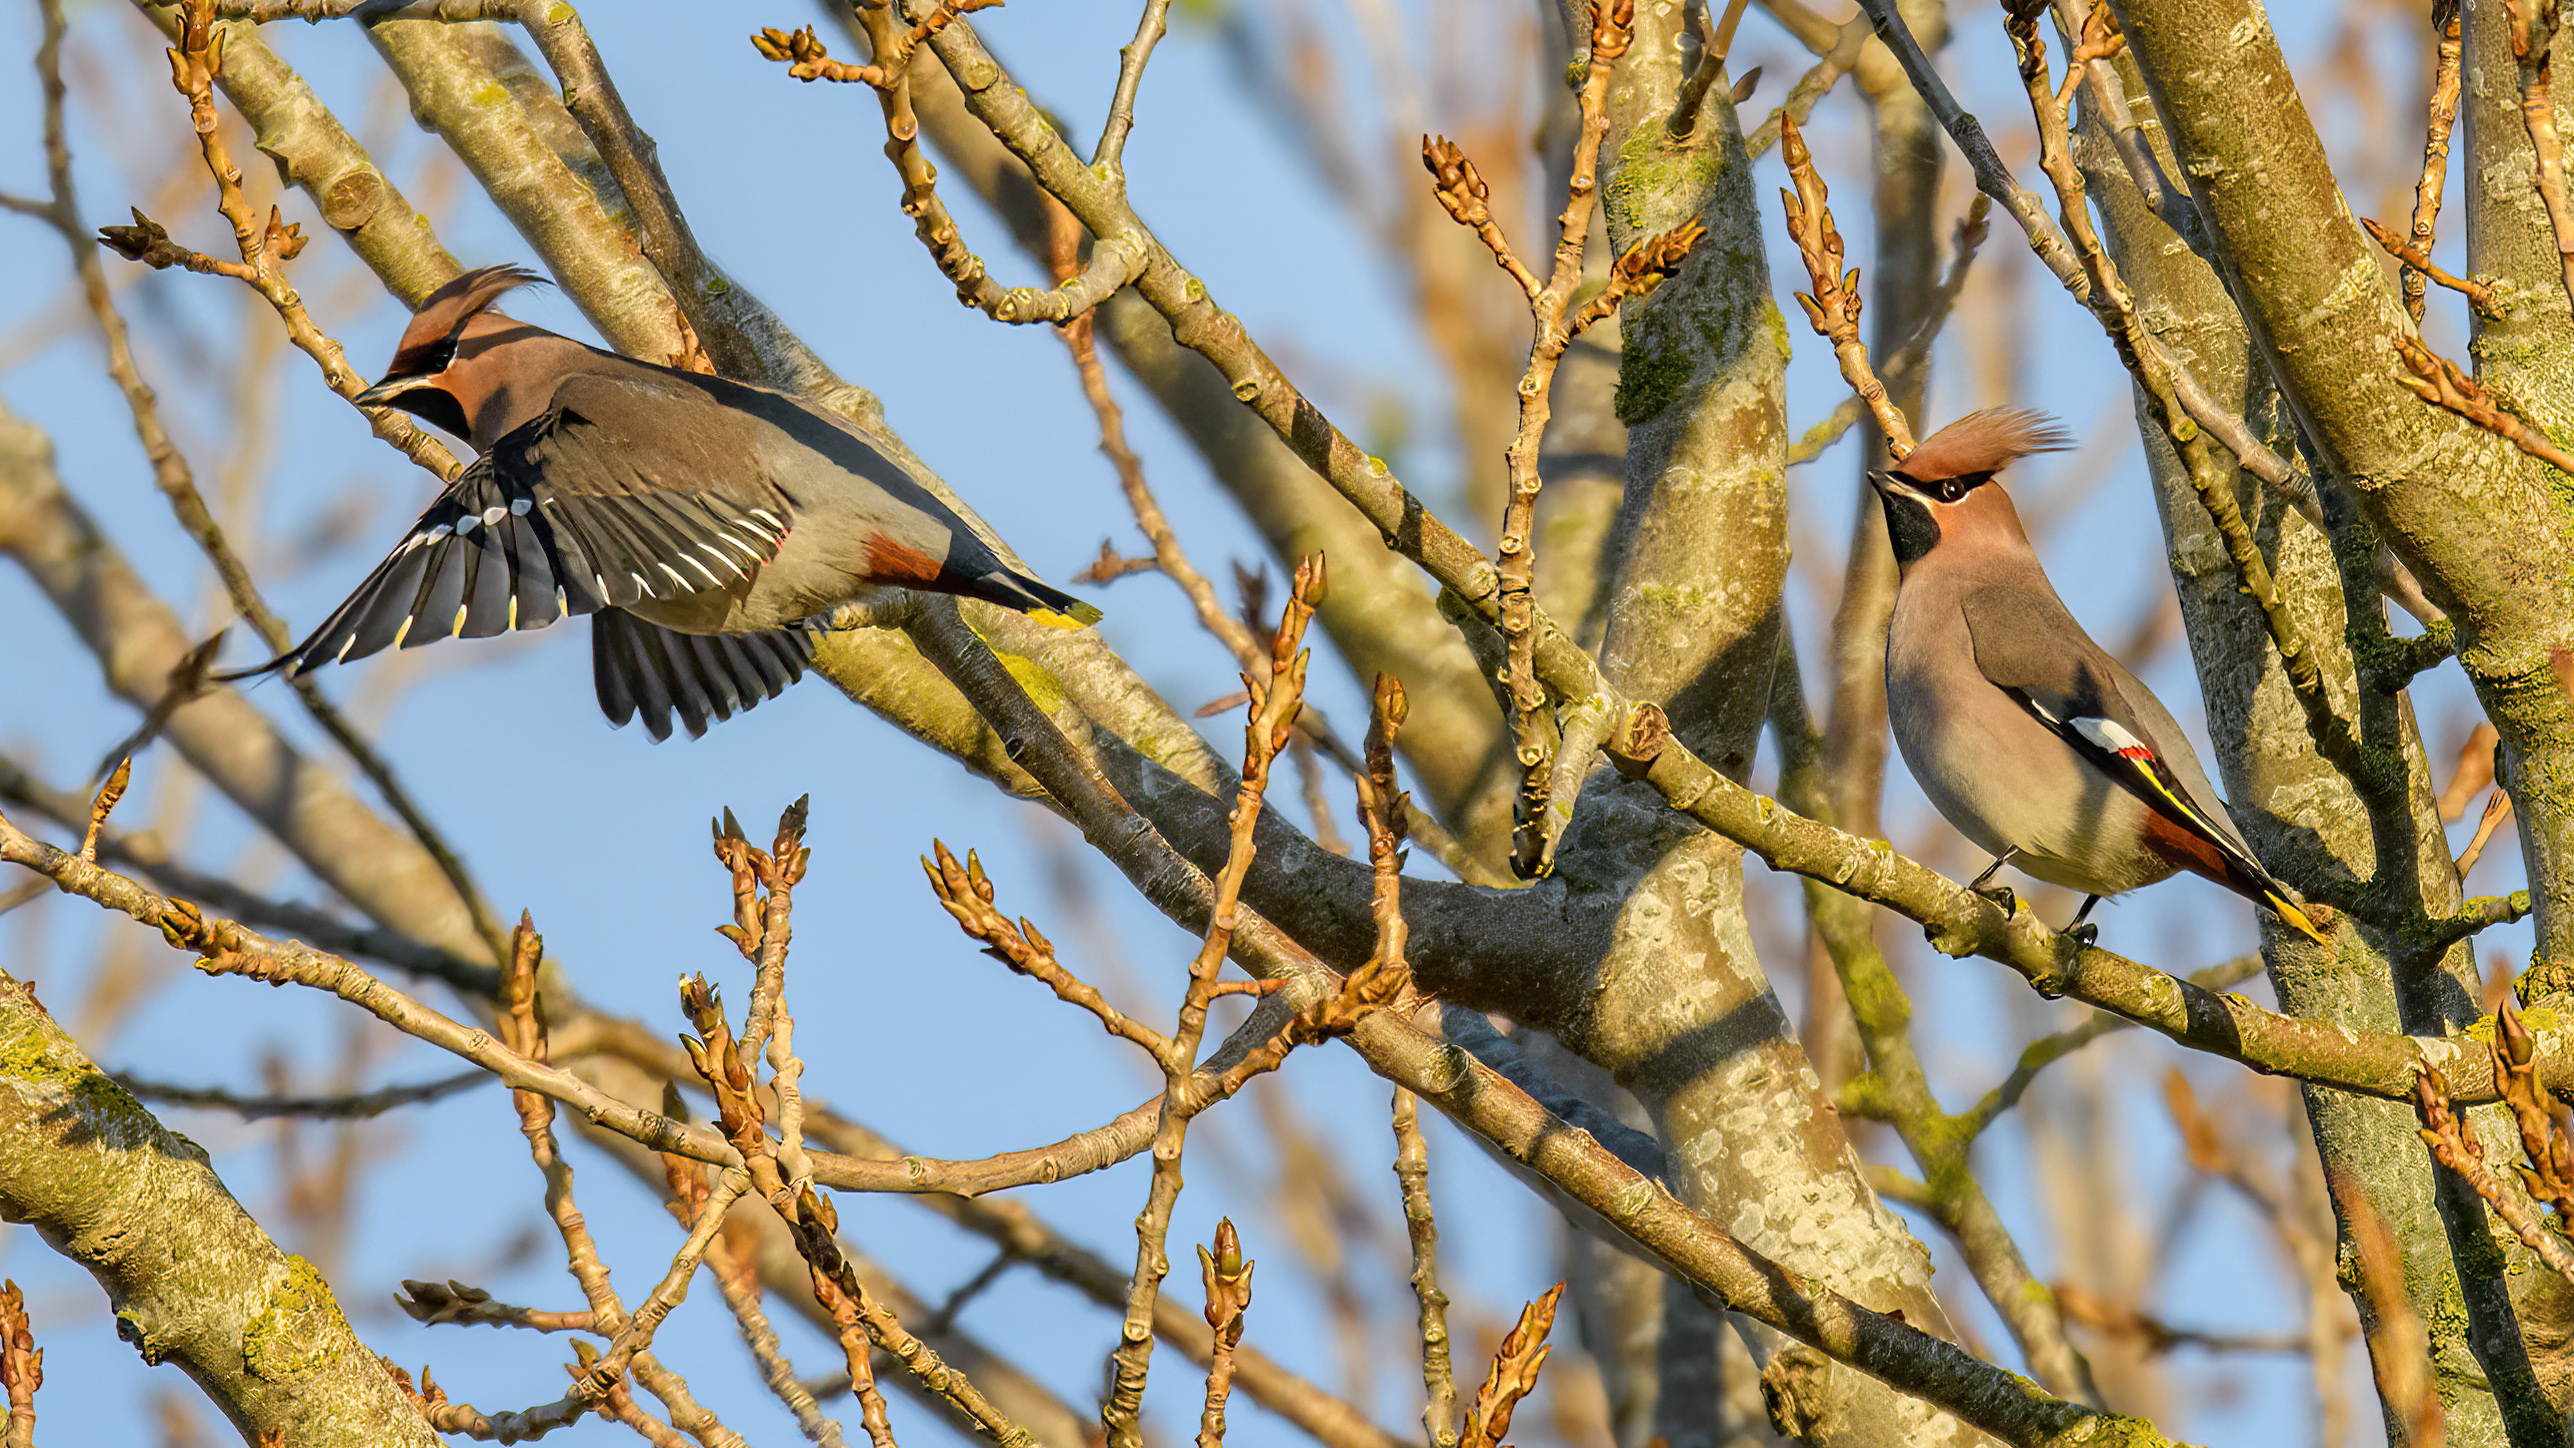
(2000, 895)
(2084, 935)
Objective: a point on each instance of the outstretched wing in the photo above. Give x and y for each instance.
(556, 520)
(641, 668)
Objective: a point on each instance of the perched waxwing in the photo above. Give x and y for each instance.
(2034, 742)
(699, 522)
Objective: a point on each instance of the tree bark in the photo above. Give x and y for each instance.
(2484, 527)
(2315, 823)
(1682, 1013)
(191, 1277)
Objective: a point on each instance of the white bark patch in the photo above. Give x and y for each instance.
(107, 1128)
(2167, 1001)
(2202, 553)
(2506, 179)
(2251, 30)
(1826, 1226)
(2361, 282)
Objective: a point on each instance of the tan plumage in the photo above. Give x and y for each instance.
(2028, 737)
(700, 521)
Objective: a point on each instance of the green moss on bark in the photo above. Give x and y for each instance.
(297, 1328)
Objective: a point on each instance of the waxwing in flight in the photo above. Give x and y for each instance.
(699, 522)
(2034, 742)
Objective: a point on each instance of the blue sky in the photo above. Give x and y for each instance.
(904, 1025)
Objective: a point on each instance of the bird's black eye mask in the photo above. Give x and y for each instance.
(1949, 490)
(434, 358)
(1911, 524)
(431, 404)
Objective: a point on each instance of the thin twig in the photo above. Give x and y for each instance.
(1811, 87)
(2442, 383)
(465, 1421)
(1381, 811)
(1110, 156)
(2417, 266)
(1914, 352)
(2453, 1144)
(22, 1368)
(2154, 1337)
(1833, 306)
(318, 1108)
(636, 1335)
(105, 805)
(763, 889)
(1412, 1170)
(1227, 1276)
(1465, 196)
(1703, 75)
(2439, 120)
(1274, 702)
(2098, 41)
(2533, 46)
(1113, 262)
(1168, 557)
(2497, 810)
(430, 1303)
(967, 893)
(2477, 760)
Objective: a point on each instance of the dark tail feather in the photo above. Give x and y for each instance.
(642, 668)
(2247, 877)
(255, 671)
(1041, 601)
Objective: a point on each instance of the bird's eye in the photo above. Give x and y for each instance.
(1951, 489)
(435, 360)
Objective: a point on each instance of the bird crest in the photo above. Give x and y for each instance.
(442, 316)
(1984, 442)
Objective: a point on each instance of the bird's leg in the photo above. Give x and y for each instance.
(2081, 933)
(1999, 894)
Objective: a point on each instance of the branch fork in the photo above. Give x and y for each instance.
(1114, 261)
(1462, 192)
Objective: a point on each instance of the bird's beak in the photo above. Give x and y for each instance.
(383, 393)
(1883, 482)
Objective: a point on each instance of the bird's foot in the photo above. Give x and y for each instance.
(2084, 935)
(2001, 896)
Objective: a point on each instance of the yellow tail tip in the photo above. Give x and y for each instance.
(1079, 615)
(2296, 919)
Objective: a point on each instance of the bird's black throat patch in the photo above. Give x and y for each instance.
(1909, 526)
(435, 406)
